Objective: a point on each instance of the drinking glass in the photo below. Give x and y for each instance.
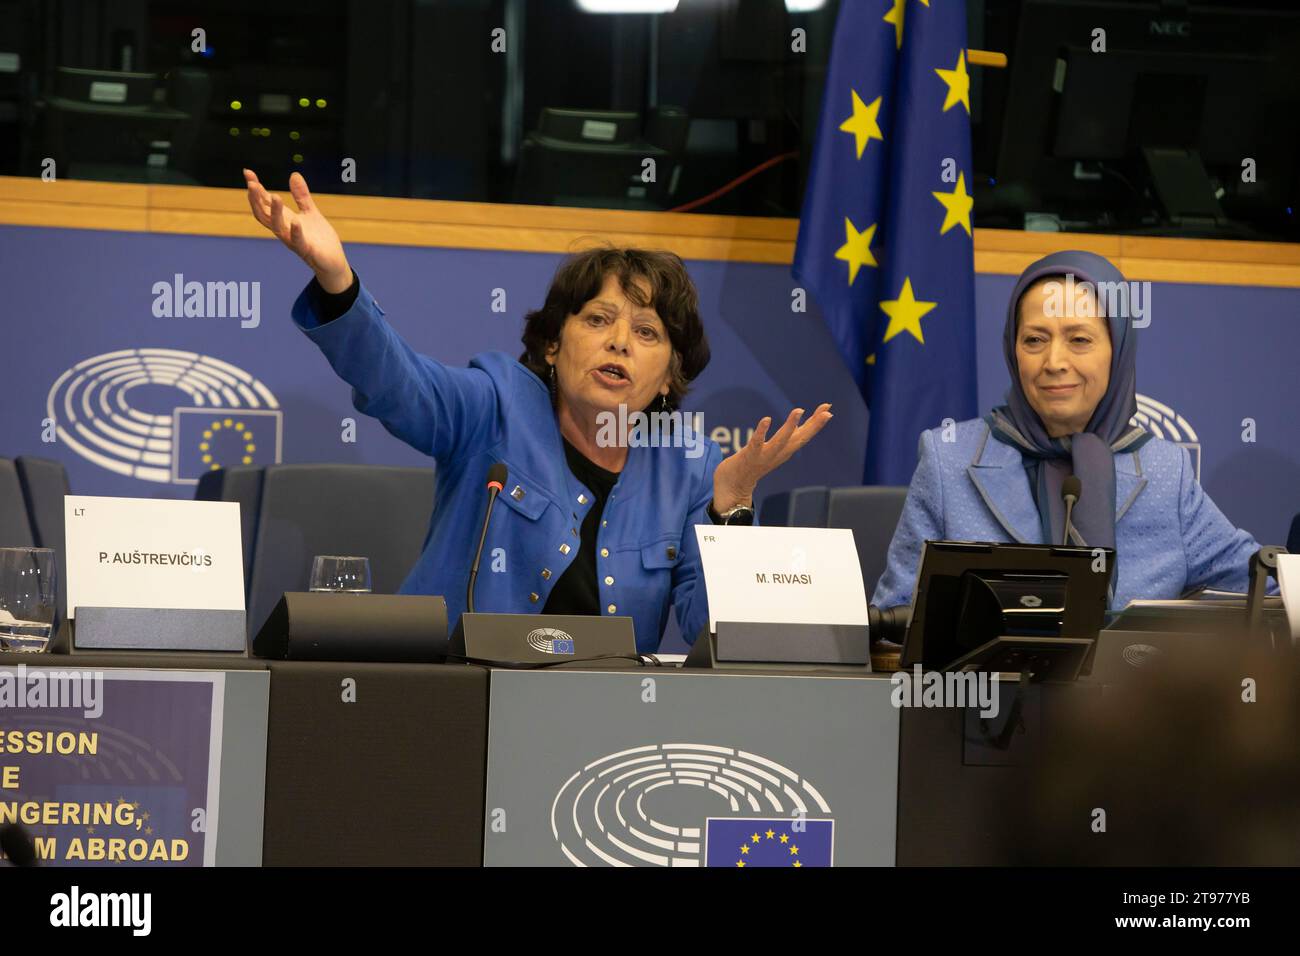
(27, 598)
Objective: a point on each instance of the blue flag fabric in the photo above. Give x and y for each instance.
(760, 842)
(885, 243)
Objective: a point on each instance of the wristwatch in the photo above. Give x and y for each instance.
(741, 515)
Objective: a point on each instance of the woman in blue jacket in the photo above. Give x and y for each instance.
(1071, 352)
(596, 521)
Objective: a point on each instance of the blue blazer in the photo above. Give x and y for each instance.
(1169, 536)
(497, 410)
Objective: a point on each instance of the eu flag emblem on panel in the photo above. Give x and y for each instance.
(206, 439)
(742, 841)
(885, 233)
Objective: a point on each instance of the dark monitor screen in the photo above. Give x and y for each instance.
(1063, 592)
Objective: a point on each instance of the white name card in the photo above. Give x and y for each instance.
(1288, 582)
(149, 552)
(782, 575)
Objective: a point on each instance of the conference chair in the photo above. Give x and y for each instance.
(871, 511)
(44, 482)
(241, 484)
(15, 526)
(381, 513)
(796, 508)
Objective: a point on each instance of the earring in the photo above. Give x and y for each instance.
(664, 405)
(554, 395)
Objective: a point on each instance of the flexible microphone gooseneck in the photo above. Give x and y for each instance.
(496, 480)
(1071, 489)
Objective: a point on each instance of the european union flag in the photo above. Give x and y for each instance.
(885, 235)
(750, 841)
(205, 439)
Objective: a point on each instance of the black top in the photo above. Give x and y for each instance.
(577, 590)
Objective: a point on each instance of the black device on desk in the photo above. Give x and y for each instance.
(524, 639)
(1026, 608)
(1207, 628)
(541, 638)
(325, 626)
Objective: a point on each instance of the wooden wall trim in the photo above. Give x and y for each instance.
(206, 211)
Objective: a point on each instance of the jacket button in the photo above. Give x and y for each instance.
(604, 523)
(612, 608)
(564, 549)
(546, 574)
(672, 553)
(604, 552)
(608, 579)
(533, 597)
(582, 499)
(517, 493)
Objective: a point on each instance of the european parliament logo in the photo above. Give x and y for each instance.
(550, 640)
(759, 841)
(660, 805)
(1163, 422)
(165, 415)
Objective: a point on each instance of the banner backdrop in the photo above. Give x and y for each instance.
(111, 351)
(112, 768)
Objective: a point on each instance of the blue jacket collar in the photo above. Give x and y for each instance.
(998, 471)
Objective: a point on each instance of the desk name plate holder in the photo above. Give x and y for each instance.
(204, 630)
(746, 645)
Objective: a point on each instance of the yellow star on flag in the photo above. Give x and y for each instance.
(785, 838)
(905, 313)
(755, 837)
(863, 124)
(797, 863)
(895, 16)
(958, 204)
(958, 81)
(740, 863)
(770, 834)
(744, 848)
(794, 851)
(856, 250)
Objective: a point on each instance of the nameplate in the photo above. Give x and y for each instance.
(153, 553)
(782, 575)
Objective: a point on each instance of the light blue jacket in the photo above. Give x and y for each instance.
(497, 410)
(1169, 536)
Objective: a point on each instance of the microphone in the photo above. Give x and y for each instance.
(496, 480)
(1071, 489)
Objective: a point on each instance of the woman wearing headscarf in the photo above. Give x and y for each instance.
(593, 521)
(1071, 354)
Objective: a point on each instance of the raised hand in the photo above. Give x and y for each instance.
(736, 476)
(307, 232)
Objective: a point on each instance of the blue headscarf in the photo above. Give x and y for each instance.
(1088, 454)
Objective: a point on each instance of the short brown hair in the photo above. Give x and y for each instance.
(579, 279)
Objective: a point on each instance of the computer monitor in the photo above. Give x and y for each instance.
(1179, 97)
(598, 158)
(1007, 607)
